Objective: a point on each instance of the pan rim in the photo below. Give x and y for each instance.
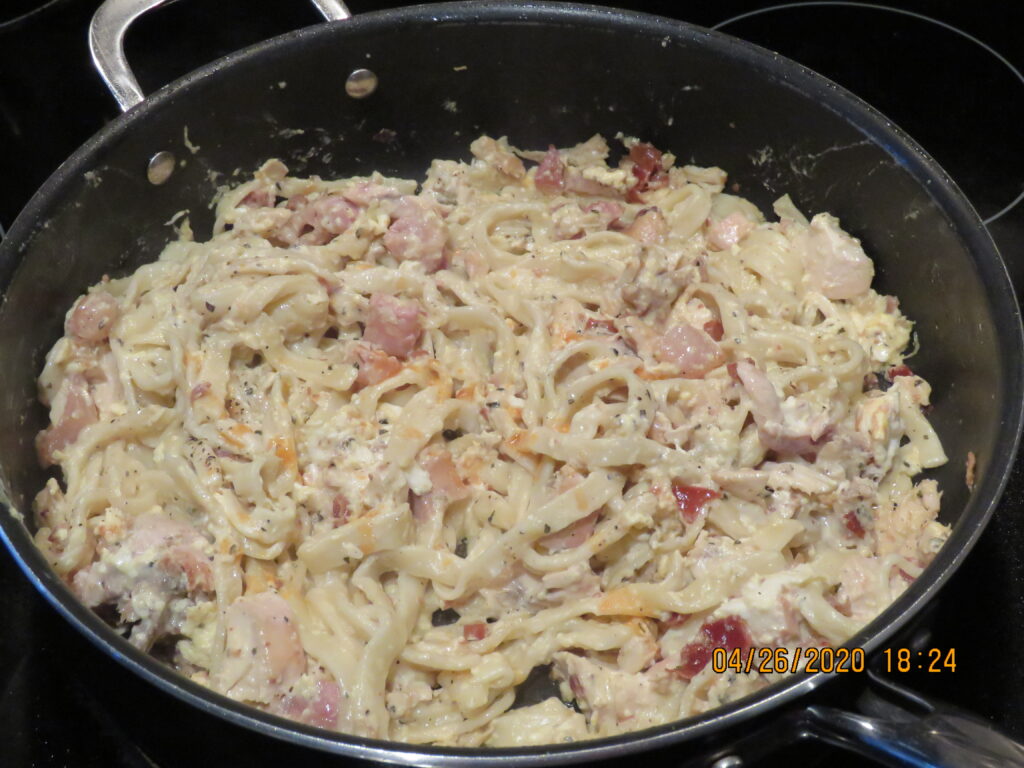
(944, 192)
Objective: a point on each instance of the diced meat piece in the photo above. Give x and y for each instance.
(333, 214)
(263, 654)
(646, 169)
(550, 176)
(572, 535)
(475, 631)
(714, 329)
(92, 318)
(910, 528)
(576, 686)
(695, 656)
(568, 222)
(692, 351)
(608, 210)
(422, 507)
(652, 283)
(73, 410)
(446, 485)
(853, 524)
(160, 559)
(602, 324)
(858, 595)
(898, 370)
(416, 233)
(726, 232)
(730, 633)
(180, 548)
(764, 399)
(321, 712)
(476, 265)
(497, 155)
(318, 222)
(576, 182)
(375, 366)
(262, 197)
(199, 391)
(692, 499)
(172, 546)
(364, 193)
(836, 264)
(649, 227)
(393, 324)
(444, 476)
(791, 428)
(872, 383)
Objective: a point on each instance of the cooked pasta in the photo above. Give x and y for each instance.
(369, 456)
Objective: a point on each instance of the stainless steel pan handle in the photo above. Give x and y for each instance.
(109, 25)
(901, 728)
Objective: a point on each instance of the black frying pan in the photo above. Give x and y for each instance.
(541, 73)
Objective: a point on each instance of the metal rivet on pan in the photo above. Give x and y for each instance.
(361, 84)
(160, 168)
(728, 762)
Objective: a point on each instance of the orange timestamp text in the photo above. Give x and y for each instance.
(828, 660)
(789, 660)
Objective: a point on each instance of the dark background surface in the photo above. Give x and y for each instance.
(64, 703)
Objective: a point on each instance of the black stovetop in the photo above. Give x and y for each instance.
(936, 67)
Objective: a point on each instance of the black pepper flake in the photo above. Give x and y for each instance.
(462, 547)
(210, 307)
(452, 434)
(444, 617)
(493, 404)
(491, 619)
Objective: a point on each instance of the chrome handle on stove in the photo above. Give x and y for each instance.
(109, 25)
(901, 728)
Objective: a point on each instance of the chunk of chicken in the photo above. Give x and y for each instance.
(92, 317)
(73, 410)
(416, 233)
(393, 324)
(263, 654)
(159, 560)
(836, 264)
(790, 427)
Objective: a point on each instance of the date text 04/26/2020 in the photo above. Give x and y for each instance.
(827, 659)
